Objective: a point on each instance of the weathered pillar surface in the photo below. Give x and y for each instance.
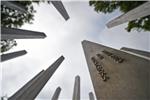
(59, 6)
(91, 96)
(56, 94)
(8, 56)
(25, 88)
(13, 33)
(76, 92)
(117, 75)
(37, 86)
(15, 6)
(139, 52)
(141, 11)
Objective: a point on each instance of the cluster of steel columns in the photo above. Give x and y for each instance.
(13, 33)
(32, 88)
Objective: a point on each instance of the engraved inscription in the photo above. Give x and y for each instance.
(114, 57)
(100, 56)
(100, 69)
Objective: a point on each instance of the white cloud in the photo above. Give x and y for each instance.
(63, 38)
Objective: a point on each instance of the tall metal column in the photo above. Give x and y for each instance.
(141, 11)
(26, 86)
(8, 56)
(14, 5)
(139, 52)
(117, 75)
(13, 33)
(37, 85)
(59, 6)
(91, 96)
(56, 94)
(76, 92)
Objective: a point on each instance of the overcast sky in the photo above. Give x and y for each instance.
(64, 38)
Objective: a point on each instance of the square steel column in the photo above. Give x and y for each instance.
(13, 33)
(117, 75)
(135, 51)
(60, 7)
(39, 83)
(76, 92)
(14, 5)
(56, 94)
(25, 88)
(138, 12)
(8, 56)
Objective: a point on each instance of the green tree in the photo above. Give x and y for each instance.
(7, 45)
(14, 19)
(124, 6)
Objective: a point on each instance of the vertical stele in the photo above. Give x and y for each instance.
(56, 94)
(76, 91)
(32, 88)
(117, 75)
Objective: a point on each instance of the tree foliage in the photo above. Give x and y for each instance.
(7, 45)
(124, 6)
(14, 19)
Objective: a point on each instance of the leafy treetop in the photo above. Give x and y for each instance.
(124, 6)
